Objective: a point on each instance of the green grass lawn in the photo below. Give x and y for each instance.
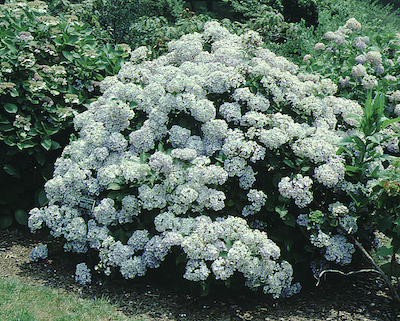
(22, 302)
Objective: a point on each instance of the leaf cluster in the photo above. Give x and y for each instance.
(44, 79)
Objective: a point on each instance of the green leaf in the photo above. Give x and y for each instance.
(41, 198)
(389, 267)
(181, 258)
(289, 163)
(114, 186)
(14, 93)
(118, 196)
(11, 170)
(72, 40)
(385, 250)
(120, 235)
(205, 288)
(345, 141)
(46, 143)
(40, 158)
(47, 171)
(287, 218)
(68, 56)
(282, 211)
(5, 221)
(353, 169)
(27, 144)
(98, 77)
(21, 217)
(388, 122)
(10, 108)
(55, 145)
(6, 127)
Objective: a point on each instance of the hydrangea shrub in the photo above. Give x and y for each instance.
(219, 149)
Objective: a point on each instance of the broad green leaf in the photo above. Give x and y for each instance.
(98, 77)
(120, 235)
(390, 267)
(21, 217)
(305, 168)
(68, 55)
(289, 220)
(14, 93)
(5, 221)
(40, 158)
(354, 169)
(55, 145)
(114, 186)
(41, 198)
(6, 128)
(181, 258)
(11, 170)
(345, 141)
(47, 171)
(205, 288)
(360, 144)
(289, 163)
(46, 143)
(72, 40)
(10, 108)
(26, 144)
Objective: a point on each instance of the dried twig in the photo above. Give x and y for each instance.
(342, 273)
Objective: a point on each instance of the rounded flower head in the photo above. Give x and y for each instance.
(307, 58)
(369, 82)
(353, 25)
(374, 58)
(358, 71)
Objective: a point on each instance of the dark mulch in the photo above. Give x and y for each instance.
(356, 297)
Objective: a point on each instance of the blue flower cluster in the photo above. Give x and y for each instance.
(40, 252)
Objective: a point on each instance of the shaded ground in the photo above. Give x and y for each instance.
(356, 297)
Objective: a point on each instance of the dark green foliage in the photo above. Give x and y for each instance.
(50, 70)
(247, 8)
(113, 20)
(117, 16)
(295, 11)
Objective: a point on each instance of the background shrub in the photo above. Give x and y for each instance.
(114, 20)
(50, 70)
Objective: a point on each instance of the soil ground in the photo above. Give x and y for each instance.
(357, 297)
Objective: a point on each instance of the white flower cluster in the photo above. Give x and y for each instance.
(337, 248)
(168, 103)
(319, 147)
(257, 199)
(338, 209)
(298, 189)
(225, 246)
(331, 173)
